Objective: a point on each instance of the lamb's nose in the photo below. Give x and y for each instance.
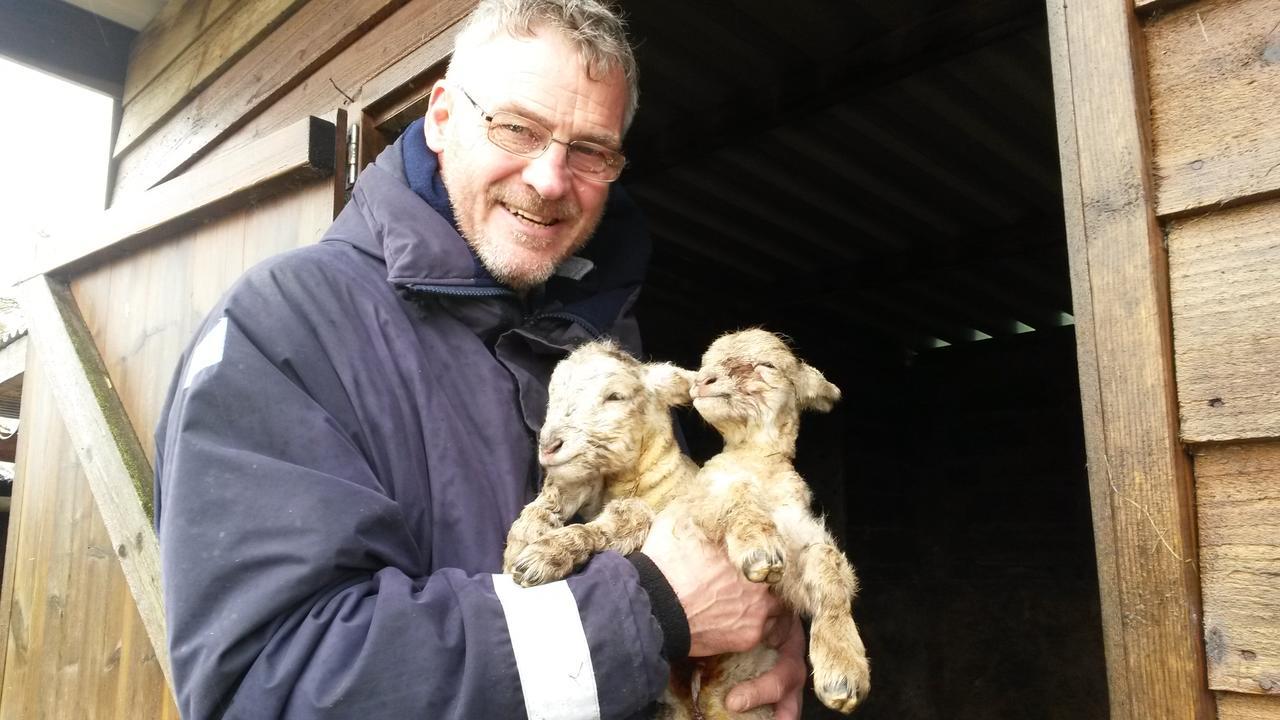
(552, 446)
(708, 380)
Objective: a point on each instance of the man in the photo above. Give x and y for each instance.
(351, 434)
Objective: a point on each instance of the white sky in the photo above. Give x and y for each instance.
(54, 177)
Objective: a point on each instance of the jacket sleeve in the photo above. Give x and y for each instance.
(294, 589)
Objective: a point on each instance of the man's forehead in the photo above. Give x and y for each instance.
(545, 79)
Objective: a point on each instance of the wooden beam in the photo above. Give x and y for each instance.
(212, 53)
(309, 39)
(1139, 475)
(241, 177)
(109, 452)
(64, 40)
(178, 24)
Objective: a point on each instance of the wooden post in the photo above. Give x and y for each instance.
(1139, 474)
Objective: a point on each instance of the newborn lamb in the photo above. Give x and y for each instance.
(610, 455)
(751, 388)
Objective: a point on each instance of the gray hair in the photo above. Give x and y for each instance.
(595, 27)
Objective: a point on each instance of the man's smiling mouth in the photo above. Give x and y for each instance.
(529, 217)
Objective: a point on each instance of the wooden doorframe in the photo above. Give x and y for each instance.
(1140, 477)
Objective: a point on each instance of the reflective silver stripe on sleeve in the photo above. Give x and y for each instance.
(208, 352)
(551, 650)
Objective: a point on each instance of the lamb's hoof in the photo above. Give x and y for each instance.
(761, 565)
(839, 693)
(536, 566)
(842, 691)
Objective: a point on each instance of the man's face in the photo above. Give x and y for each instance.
(523, 216)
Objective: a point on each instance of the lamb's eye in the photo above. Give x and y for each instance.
(765, 364)
(614, 397)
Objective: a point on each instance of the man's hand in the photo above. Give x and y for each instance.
(726, 612)
(783, 685)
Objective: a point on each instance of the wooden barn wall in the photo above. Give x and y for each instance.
(1214, 83)
(76, 647)
(206, 77)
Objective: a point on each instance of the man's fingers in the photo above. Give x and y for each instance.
(764, 690)
(777, 629)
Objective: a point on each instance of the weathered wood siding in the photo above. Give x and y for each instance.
(212, 85)
(1214, 83)
(76, 647)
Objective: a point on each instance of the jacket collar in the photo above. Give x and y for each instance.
(405, 206)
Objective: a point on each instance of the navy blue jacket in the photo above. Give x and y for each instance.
(342, 451)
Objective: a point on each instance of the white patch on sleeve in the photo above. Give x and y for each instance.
(551, 650)
(208, 352)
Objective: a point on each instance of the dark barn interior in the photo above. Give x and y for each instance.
(879, 181)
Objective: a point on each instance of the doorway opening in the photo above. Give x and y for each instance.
(879, 182)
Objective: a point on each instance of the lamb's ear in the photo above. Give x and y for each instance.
(670, 383)
(813, 391)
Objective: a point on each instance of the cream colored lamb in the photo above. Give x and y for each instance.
(751, 388)
(610, 455)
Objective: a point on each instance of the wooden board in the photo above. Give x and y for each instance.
(143, 309)
(74, 646)
(1238, 491)
(178, 24)
(1225, 281)
(1232, 706)
(213, 51)
(309, 38)
(105, 443)
(1215, 103)
(421, 33)
(285, 159)
(1138, 475)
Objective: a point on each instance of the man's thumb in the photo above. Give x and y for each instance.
(741, 698)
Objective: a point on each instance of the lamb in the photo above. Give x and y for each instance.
(751, 388)
(610, 455)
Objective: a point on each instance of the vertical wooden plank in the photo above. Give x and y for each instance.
(1086, 358)
(79, 626)
(11, 540)
(1139, 475)
(118, 471)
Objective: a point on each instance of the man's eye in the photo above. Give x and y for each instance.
(516, 129)
(590, 153)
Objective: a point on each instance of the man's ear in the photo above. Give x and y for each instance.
(813, 391)
(670, 383)
(439, 111)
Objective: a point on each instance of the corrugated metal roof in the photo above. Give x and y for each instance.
(887, 169)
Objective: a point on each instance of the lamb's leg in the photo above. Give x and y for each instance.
(556, 503)
(823, 588)
(622, 526)
(750, 535)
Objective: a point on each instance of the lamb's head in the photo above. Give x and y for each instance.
(603, 405)
(751, 386)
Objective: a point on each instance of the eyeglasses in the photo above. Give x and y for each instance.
(526, 138)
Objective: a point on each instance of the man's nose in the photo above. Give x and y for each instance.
(549, 173)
